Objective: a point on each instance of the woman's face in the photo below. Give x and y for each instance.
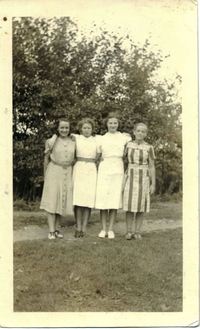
(140, 133)
(86, 129)
(63, 128)
(112, 125)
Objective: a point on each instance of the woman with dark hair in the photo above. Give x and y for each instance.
(57, 190)
(84, 175)
(110, 174)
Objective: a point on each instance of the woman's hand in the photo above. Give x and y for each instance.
(73, 162)
(73, 138)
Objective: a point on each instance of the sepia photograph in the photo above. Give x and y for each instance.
(98, 133)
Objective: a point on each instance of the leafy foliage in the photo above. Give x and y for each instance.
(57, 71)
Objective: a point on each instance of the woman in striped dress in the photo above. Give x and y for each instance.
(140, 180)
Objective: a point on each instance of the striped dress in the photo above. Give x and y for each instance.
(136, 196)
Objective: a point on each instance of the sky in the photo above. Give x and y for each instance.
(169, 25)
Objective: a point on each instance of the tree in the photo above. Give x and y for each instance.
(58, 71)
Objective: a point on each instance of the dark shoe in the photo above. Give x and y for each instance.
(82, 234)
(58, 234)
(77, 234)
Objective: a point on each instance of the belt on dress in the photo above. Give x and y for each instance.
(63, 165)
(85, 159)
(134, 165)
(112, 157)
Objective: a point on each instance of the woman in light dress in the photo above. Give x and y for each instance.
(110, 175)
(84, 175)
(57, 190)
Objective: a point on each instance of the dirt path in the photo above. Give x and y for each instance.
(34, 232)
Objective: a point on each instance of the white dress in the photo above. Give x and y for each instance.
(85, 173)
(111, 170)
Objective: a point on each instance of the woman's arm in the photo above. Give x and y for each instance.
(46, 162)
(48, 146)
(125, 158)
(152, 173)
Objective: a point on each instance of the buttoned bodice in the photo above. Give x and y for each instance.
(63, 150)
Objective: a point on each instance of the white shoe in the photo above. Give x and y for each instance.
(51, 236)
(102, 234)
(111, 235)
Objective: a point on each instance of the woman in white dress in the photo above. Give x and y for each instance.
(84, 175)
(110, 175)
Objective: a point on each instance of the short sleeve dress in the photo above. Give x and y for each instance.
(57, 190)
(136, 196)
(85, 172)
(111, 170)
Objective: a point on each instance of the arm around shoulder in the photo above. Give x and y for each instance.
(127, 137)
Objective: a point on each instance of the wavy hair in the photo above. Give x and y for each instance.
(88, 121)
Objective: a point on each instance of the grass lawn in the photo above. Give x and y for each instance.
(100, 275)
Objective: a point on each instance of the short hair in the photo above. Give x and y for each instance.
(88, 121)
(140, 124)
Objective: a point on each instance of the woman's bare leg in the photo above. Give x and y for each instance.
(86, 216)
(139, 217)
(104, 218)
(112, 218)
(57, 221)
(51, 222)
(129, 221)
(79, 213)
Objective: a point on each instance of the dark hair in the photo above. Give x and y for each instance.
(112, 115)
(88, 121)
(57, 122)
(140, 124)
(62, 119)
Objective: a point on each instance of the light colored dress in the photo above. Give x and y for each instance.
(57, 190)
(111, 170)
(85, 172)
(136, 196)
